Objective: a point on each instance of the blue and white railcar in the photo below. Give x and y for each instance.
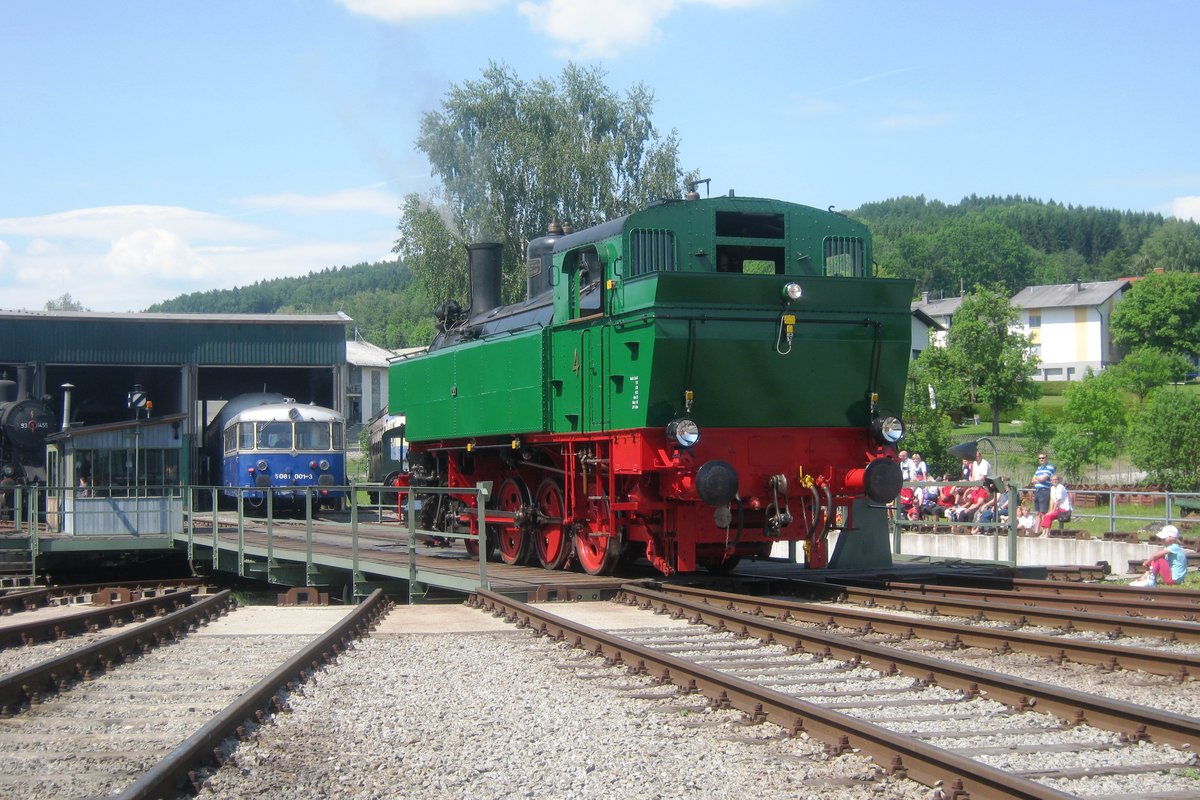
(285, 446)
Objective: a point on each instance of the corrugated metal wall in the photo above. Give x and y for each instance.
(113, 339)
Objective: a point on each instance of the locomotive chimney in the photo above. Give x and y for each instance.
(23, 391)
(66, 421)
(484, 266)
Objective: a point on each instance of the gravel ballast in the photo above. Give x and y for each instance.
(504, 715)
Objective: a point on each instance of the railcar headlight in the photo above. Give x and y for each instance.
(685, 432)
(887, 430)
(262, 465)
(324, 464)
(791, 292)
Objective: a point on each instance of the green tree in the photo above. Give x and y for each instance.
(1037, 431)
(927, 427)
(993, 358)
(434, 254)
(1164, 439)
(1062, 267)
(974, 251)
(1147, 368)
(1173, 247)
(1093, 424)
(64, 303)
(1160, 310)
(513, 156)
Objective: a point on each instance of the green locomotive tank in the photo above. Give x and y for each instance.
(690, 383)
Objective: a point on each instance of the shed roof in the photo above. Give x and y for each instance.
(365, 354)
(1067, 295)
(340, 318)
(80, 337)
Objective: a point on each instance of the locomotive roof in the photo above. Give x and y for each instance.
(617, 225)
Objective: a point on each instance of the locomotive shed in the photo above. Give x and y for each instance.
(84, 368)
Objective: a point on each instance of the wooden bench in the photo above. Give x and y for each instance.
(1187, 506)
(1135, 564)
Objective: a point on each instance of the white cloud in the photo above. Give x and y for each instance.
(125, 258)
(915, 122)
(406, 10)
(598, 29)
(583, 28)
(110, 222)
(1186, 208)
(154, 254)
(369, 200)
(42, 247)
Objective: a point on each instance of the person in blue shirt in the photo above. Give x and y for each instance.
(1041, 484)
(1168, 565)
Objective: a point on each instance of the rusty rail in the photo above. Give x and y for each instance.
(177, 770)
(898, 753)
(1012, 612)
(28, 633)
(29, 685)
(1133, 721)
(1179, 666)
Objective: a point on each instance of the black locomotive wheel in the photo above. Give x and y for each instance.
(513, 540)
(551, 541)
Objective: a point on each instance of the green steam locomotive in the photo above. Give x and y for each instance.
(690, 383)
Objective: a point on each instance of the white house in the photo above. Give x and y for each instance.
(366, 381)
(1070, 326)
(940, 313)
(924, 330)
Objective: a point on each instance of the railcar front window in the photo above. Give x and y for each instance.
(338, 435)
(245, 436)
(312, 436)
(274, 435)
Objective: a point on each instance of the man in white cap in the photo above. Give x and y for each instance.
(1168, 565)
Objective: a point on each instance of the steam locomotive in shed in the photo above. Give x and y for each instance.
(690, 383)
(25, 422)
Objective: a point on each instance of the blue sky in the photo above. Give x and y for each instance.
(152, 148)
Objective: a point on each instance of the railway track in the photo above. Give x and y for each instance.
(1100, 651)
(968, 732)
(42, 596)
(1180, 604)
(138, 714)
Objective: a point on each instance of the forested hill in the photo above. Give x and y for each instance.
(379, 297)
(1020, 241)
(1014, 241)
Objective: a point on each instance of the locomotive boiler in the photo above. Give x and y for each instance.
(25, 422)
(690, 383)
